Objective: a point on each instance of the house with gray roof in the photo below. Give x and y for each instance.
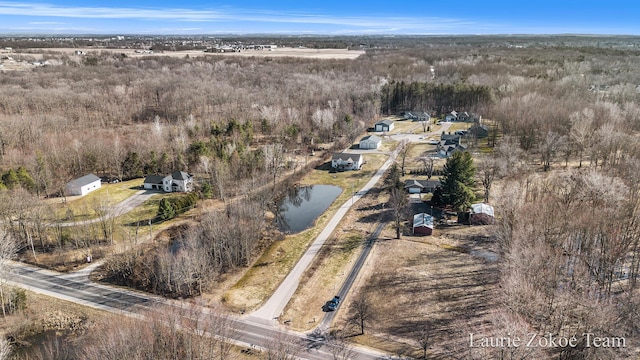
(414, 186)
(345, 161)
(178, 181)
(82, 185)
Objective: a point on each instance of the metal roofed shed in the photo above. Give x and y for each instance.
(481, 214)
(422, 224)
(83, 185)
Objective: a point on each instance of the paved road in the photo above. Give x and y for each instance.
(274, 307)
(245, 332)
(353, 275)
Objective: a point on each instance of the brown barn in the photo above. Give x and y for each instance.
(422, 224)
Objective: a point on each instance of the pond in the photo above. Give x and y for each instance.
(302, 205)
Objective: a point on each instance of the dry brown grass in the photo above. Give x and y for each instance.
(279, 52)
(329, 269)
(268, 271)
(45, 315)
(420, 282)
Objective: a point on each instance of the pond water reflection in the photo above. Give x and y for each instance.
(302, 205)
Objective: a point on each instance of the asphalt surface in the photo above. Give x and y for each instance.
(122, 207)
(353, 275)
(256, 331)
(273, 308)
(246, 333)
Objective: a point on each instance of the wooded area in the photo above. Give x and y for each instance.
(563, 173)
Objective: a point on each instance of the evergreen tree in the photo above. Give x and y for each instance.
(166, 210)
(457, 181)
(10, 179)
(26, 181)
(392, 181)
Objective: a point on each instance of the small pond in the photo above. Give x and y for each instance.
(302, 205)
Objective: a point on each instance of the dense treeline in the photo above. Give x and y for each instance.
(441, 98)
(219, 243)
(131, 117)
(567, 119)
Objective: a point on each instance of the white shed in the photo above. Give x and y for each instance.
(83, 185)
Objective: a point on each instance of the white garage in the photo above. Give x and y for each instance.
(82, 186)
(370, 142)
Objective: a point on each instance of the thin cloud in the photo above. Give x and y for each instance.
(367, 24)
(46, 23)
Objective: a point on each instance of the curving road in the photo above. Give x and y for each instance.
(246, 333)
(256, 330)
(120, 208)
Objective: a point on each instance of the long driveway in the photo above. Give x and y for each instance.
(273, 308)
(353, 275)
(122, 207)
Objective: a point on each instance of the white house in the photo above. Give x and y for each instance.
(384, 125)
(370, 142)
(83, 185)
(344, 161)
(178, 181)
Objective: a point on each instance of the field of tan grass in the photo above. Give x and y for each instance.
(431, 282)
(278, 52)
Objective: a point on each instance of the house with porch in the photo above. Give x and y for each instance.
(178, 181)
(345, 161)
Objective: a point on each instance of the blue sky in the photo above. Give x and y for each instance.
(329, 17)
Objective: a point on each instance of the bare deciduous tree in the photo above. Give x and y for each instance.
(273, 160)
(398, 204)
(360, 312)
(8, 250)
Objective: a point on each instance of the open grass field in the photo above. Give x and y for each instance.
(77, 208)
(277, 52)
(272, 267)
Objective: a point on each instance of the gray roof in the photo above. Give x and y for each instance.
(346, 157)
(153, 179)
(85, 180)
(372, 138)
(421, 183)
(423, 219)
(385, 122)
(180, 175)
(454, 137)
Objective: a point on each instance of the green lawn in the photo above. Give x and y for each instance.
(82, 207)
